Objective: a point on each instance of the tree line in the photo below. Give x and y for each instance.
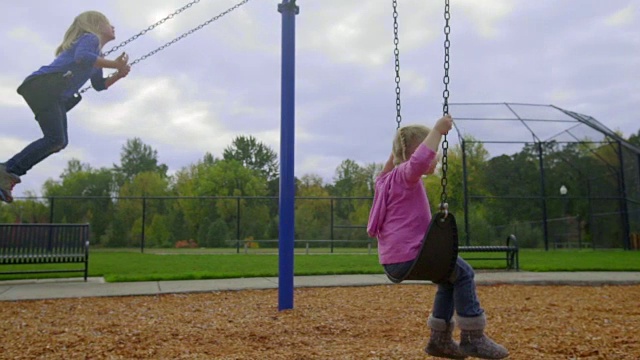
(218, 200)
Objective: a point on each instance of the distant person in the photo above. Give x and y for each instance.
(399, 219)
(52, 91)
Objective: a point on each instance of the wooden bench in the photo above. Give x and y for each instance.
(29, 244)
(510, 249)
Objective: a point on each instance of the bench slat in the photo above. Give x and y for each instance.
(486, 248)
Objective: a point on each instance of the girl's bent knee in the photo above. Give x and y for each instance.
(56, 144)
(464, 271)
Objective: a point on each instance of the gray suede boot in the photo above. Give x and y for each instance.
(441, 342)
(473, 341)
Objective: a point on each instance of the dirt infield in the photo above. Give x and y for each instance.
(374, 322)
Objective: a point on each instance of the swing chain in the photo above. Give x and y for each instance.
(190, 32)
(179, 37)
(144, 31)
(445, 106)
(396, 52)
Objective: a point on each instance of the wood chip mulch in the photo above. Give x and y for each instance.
(373, 322)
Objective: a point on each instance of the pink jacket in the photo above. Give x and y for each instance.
(400, 213)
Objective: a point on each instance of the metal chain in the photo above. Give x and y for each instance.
(134, 62)
(396, 52)
(190, 32)
(144, 31)
(445, 105)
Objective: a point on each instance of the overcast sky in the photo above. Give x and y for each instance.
(224, 80)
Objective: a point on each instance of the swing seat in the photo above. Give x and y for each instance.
(438, 254)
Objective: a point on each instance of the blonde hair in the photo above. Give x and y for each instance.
(87, 22)
(407, 137)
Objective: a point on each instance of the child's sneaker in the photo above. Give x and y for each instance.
(7, 182)
(5, 195)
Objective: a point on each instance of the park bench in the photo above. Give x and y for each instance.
(510, 250)
(32, 244)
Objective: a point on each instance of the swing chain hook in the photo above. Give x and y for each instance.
(396, 52)
(445, 107)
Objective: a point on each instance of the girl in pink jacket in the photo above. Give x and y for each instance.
(399, 219)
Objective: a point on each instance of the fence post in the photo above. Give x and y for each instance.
(307, 248)
(238, 218)
(331, 232)
(543, 197)
(144, 214)
(579, 231)
(51, 202)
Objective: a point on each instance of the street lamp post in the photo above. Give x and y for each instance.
(563, 195)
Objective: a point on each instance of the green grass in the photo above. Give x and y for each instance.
(580, 260)
(177, 265)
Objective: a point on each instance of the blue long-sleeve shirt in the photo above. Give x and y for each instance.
(80, 59)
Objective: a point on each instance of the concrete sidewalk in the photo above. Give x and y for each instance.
(72, 288)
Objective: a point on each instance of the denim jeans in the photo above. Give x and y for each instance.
(458, 294)
(43, 97)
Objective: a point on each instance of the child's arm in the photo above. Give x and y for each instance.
(442, 127)
(114, 77)
(123, 71)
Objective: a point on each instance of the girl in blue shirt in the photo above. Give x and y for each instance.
(52, 91)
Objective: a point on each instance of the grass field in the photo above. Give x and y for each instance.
(171, 264)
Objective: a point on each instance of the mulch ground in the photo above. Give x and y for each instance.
(374, 322)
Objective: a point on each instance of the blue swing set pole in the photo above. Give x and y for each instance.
(289, 10)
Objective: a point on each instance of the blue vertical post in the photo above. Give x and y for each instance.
(289, 10)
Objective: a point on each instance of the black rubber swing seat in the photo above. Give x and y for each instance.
(438, 254)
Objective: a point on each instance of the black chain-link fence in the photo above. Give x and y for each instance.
(228, 224)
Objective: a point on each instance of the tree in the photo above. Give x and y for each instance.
(222, 178)
(80, 180)
(352, 181)
(313, 216)
(158, 233)
(30, 210)
(135, 158)
(635, 139)
(253, 155)
(132, 203)
(230, 178)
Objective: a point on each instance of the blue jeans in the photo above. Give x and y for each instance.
(43, 97)
(459, 294)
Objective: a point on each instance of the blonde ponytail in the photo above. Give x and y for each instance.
(407, 137)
